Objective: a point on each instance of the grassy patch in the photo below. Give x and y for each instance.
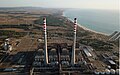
(51, 21)
(10, 33)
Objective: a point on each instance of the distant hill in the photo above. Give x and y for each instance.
(21, 8)
(30, 9)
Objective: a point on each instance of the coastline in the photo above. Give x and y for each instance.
(85, 28)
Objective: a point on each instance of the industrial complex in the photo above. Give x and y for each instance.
(56, 58)
(45, 53)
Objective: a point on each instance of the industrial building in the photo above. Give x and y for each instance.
(61, 58)
(65, 58)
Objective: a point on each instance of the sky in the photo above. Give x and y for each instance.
(94, 4)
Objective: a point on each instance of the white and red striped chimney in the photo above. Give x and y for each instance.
(74, 42)
(45, 42)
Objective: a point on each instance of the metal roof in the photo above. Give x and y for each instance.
(87, 53)
(111, 62)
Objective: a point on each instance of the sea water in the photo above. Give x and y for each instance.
(104, 21)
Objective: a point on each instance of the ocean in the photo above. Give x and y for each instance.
(103, 21)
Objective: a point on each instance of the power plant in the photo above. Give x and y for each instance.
(45, 43)
(64, 58)
(57, 58)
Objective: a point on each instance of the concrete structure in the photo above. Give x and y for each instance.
(74, 43)
(45, 42)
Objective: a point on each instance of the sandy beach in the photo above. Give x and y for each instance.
(91, 30)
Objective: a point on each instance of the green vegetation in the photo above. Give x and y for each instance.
(97, 44)
(51, 21)
(82, 33)
(69, 34)
(21, 26)
(54, 34)
(116, 42)
(10, 33)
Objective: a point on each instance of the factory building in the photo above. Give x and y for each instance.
(64, 57)
(112, 64)
(50, 55)
(87, 53)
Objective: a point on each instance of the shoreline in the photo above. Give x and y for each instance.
(85, 28)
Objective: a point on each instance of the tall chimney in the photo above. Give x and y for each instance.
(45, 42)
(74, 42)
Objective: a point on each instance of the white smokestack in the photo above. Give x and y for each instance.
(74, 42)
(45, 41)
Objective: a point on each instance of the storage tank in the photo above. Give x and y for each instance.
(10, 47)
(109, 67)
(107, 71)
(102, 72)
(96, 72)
(117, 71)
(5, 46)
(112, 71)
(85, 63)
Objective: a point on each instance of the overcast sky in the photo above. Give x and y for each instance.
(95, 4)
